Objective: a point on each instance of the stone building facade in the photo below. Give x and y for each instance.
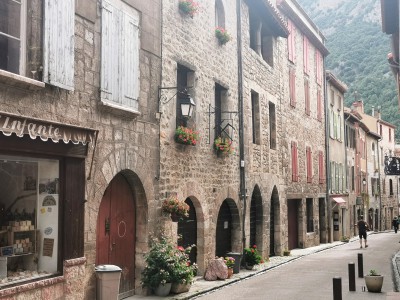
(93, 101)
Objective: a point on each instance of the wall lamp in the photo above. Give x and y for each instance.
(185, 100)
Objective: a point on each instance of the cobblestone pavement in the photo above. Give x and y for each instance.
(201, 287)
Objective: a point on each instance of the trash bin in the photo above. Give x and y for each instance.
(237, 257)
(107, 281)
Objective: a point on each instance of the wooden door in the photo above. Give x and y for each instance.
(224, 227)
(293, 226)
(116, 231)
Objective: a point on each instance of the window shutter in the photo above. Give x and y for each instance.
(305, 54)
(291, 41)
(309, 165)
(119, 57)
(59, 25)
(321, 167)
(295, 175)
(307, 96)
(319, 105)
(292, 87)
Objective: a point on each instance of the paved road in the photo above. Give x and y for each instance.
(310, 278)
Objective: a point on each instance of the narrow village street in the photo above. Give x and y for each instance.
(310, 277)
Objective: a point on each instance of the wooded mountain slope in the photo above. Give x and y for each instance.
(358, 52)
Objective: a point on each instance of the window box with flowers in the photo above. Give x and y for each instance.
(223, 146)
(186, 136)
(251, 257)
(222, 35)
(178, 209)
(188, 7)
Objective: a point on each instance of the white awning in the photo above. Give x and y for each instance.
(339, 200)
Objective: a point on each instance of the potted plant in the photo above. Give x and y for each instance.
(230, 263)
(159, 266)
(373, 281)
(183, 271)
(177, 209)
(223, 145)
(188, 7)
(222, 35)
(286, 252)
(186, 136)
(251, 257)
(345, 239)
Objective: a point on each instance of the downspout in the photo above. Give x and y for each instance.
(159, 113)
(379, 188)
(241, 126)
(327, 158)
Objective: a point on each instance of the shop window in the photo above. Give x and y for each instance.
(310, 215)
(22, 46)
(272, 126)
(29, 217)
(120, 46)
(255, 116)
(219, 14)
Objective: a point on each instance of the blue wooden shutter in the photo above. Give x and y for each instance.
(58, 47)
(120, 56)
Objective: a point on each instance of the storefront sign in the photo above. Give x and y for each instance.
(21, 126)
(392, 165)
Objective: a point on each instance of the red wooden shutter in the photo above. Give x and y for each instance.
(291, 42)
(307, 96)
(295, 175)
(305, 54)
(319, 105)
(292, 87)
(318, 64)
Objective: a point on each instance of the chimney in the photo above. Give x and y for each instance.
(359, 106)
(378, 113)
(373, 111)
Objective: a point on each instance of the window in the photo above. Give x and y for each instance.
(120, 55)
(307, 96)
(333, 177)
(339, 127)
(309, 164)
(183, 78)
(292, 87)
(352, 178)
(319, 105)
(294, 156)
(310, 215)
(390, 187)
(331, 123)
(29, 238)
(222, 126)
(272, 126)
(321, 171)
(22, 46)
(390, 134)
(318, 67)
(380, 130)
(262, 39)
(306, 62)
(219, 14)
(291, 41)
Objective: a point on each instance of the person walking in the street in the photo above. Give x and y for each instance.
(362, 231)
(395, 224)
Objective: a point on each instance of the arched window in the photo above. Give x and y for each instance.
(219, 14)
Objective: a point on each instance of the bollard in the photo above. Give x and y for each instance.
(337, 288)
(360, 266)
(352, 277)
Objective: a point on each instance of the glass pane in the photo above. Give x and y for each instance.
(29, 209)
(9, 54)
(10, 17)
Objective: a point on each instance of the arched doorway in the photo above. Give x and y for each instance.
(228, 232)
(187, 230)
(116, 231)
(274, 223)
(256, 213)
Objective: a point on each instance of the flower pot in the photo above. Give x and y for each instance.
(374, 283)
(178, 288)
(230, 272)
(249, 267)
(163, 290)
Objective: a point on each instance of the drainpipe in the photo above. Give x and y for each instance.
(379, 188)
(241, 126)
(327, 158)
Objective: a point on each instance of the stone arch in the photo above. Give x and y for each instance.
(131, 165)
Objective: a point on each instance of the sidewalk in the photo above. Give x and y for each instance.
(201, 286)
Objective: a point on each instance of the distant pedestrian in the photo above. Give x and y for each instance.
(362, 231)
(395, 224)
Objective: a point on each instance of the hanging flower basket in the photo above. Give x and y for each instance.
(222, 35)
(176, 208)
(186, 136)
(223, 146)
(188, 7)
